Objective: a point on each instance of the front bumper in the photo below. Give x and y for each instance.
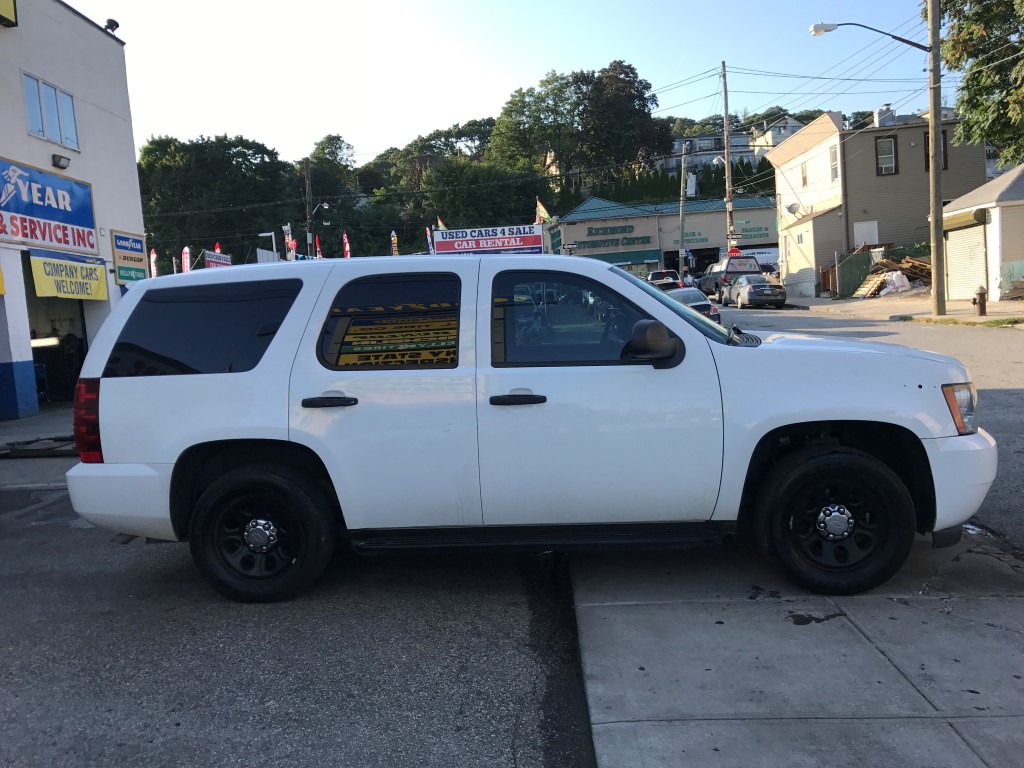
(963, 469)
(125, 498)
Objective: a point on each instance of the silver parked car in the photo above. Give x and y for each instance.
(755, 291)
(696, 300)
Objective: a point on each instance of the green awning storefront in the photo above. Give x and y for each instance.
(625, 258)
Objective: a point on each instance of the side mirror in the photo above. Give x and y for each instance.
(652, 341)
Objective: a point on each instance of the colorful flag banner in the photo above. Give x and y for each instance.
(289, 244)
(440, 224)
(344, 240)
(186, 259)
(319, 255)
(394, 243)
(216, 247)
(152, 263)
(542, 213)
(430, 242)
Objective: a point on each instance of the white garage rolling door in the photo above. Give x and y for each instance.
(965, 262)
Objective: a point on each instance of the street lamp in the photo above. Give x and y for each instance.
(273, 239)
(312, 227)
(934, 140)
(821, 28)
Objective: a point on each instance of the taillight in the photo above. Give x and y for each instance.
(723, 279)
(87, 421)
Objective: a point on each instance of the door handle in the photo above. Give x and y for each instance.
(328, 402)
(518, 399)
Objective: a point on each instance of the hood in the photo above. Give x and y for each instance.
(803, 342)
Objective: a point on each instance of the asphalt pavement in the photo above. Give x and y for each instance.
(705, 657)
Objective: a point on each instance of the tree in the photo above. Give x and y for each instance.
(617, 127)
(681, 125)
(767, 117)
(807, 115)
(469, 140)
(863, 118)
(984, 40)
(466, 193)
(220, 189)
(713, 125)
(539, 127)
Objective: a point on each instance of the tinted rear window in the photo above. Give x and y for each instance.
(689, 295)
(223, 328)
(743, 264)
(393, 322)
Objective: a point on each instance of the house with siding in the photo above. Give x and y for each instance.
(838, 189)
(764, 139)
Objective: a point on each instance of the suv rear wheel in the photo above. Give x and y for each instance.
(262, 533)
(839, 520)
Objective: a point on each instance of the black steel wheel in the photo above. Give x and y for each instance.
(839, 520)
(262, 534)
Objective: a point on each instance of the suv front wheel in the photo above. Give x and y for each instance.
(262, 533)
(838, 519)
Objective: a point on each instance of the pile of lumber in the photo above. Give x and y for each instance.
(913, 269)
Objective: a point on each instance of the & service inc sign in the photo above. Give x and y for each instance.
(43, 210)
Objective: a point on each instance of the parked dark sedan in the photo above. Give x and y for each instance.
(755, 291)
(695, 299)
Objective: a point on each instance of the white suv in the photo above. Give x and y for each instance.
(266, 412)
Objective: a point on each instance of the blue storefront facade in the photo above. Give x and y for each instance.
(70, 207)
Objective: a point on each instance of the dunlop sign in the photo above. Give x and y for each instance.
(129, 257)
(68, 275)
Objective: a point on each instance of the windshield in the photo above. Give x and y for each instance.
(757, 280)
(709, 328)
(667, 273)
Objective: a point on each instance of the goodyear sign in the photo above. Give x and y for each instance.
(129, 257)
(44, 210)
(68, 275)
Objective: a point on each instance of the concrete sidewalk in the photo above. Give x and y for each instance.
(711, 658)
(915, 306)
(35, 452)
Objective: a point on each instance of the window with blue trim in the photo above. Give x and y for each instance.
(50, 112)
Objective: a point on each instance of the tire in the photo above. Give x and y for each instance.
(739, 303)
(718, 295)
(299, 541)
(811, 486)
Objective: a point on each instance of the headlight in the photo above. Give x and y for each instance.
(961, 399)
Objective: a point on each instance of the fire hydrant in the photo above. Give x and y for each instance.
(979, 301)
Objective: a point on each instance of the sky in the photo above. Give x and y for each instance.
(383, 72)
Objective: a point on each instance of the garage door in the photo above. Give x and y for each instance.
(966, 266)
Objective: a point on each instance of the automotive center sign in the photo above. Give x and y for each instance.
(527, 238)
(45, 210)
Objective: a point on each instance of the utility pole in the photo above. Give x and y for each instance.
(682, 204)
(309, 210)
(728, 164)
(935, 157)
